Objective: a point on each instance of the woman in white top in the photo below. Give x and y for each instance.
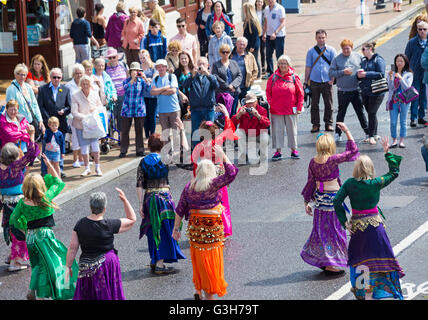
(399, 80)
(84, 103)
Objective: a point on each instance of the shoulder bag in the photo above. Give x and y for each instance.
(38, 134)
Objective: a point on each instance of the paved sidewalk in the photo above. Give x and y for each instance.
(340, 18)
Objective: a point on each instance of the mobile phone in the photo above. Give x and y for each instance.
(393, 67)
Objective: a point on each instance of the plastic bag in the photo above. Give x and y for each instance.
(93, 127)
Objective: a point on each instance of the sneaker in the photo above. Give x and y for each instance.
(98, 172)
(295, 154)
(413, 123)
(14, 267)
(337, 137)
(277, 156)
(77, 164)
(422, 121)
(86, 173)
(372, 141)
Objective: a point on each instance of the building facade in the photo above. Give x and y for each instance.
(30, 27)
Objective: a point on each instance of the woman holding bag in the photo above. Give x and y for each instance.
(372, 68)
(284, 92)
(399, 81)
(84, 103)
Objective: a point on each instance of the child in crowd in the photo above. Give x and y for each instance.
(220, 37)
(54, 144)
(155, 42)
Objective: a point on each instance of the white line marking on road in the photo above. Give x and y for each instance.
(404, 244)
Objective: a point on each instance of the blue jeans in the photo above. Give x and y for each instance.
(424, 151)
(151, 113)
(417, 110)
(82, 52)
(197, 116)
(276, 45)
(402, 109)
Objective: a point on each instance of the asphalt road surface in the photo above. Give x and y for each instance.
(262, 259)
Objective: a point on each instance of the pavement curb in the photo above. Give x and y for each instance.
(389, 25)
(95, 183)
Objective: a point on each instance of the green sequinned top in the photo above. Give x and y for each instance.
(25, 214)
(365, 194)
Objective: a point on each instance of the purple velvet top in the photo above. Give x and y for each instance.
(208, 199)
(328, 170)
(13, 175)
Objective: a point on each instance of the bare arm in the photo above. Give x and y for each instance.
(129, 221)
(72, 251)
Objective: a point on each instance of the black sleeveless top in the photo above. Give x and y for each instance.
(98, 30)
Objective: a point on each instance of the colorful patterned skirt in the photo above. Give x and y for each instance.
(100, 279)
(370, 251)
(158, 224)
(48, 265)
(327, 245)
(206, 237)
(13, 236)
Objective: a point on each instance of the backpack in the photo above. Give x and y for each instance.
(153, 167)
(275, 76)
(180, 101)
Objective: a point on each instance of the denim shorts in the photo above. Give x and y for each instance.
(53, 156)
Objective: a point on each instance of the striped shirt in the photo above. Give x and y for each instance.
(118, 76)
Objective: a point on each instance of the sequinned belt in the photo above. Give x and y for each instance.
(89, 266)
(362, 220)
(205, 231)
(324, 201)
(7, 199)
(157, 190)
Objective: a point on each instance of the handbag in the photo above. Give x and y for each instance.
(93, 127)
(38, 134)
(379, 86)
(409, 95)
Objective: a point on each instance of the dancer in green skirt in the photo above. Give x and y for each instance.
(34, 215)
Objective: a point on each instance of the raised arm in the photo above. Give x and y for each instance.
(129, 221)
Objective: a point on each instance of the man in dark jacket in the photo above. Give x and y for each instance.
(414, 50)
(55, 101)
(80, 32)
(201, 87)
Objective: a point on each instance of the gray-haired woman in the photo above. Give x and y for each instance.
(99, 266)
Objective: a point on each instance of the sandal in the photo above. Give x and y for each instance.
(197, 296)
(401, 145)
(164, 270)
(394, 145)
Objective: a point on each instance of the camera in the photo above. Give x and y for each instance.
(248, 109)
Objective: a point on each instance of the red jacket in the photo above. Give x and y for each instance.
(284, 94)
(246, 121)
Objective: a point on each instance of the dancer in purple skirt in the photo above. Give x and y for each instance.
(99, 266)
(326, 247)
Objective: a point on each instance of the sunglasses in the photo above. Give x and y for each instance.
(422, 29)
(225, 52)
(181, 26)
(110, 58)
(56, 77)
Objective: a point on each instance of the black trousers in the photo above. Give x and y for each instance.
(345, 98)
(372, 104)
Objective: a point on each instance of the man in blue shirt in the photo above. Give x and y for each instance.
(319, 82)
(165, 88)
(80, 32)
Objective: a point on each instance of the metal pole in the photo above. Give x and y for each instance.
(362, 12)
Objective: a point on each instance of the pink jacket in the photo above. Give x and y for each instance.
(284, 94)
(132, 31)
(10, 132)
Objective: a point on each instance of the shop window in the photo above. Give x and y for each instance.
(38, 22)
(66, 12)
(8, 29)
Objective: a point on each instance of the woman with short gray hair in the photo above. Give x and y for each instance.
(99, 266)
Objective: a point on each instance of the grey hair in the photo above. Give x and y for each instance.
(285, 58)
(85, 77)
(243, 39)
(9, 153)
(98, 202)
(79, 67)
(55, 70)
(98, 61)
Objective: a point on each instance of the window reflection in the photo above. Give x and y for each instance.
(8, 27)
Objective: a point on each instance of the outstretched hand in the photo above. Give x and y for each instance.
(385, 144)
(121, 195)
